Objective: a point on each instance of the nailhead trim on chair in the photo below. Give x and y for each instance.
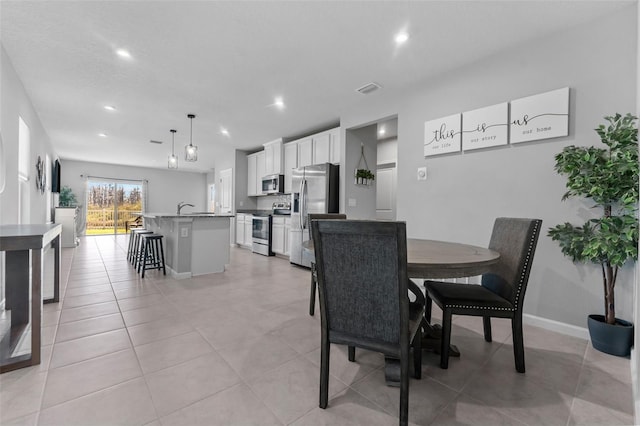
(526, 262)
(480, 307)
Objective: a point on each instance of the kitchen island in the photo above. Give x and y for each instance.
(194, 244)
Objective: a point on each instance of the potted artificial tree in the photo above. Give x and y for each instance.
(609, 177)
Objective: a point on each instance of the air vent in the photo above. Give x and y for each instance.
(158, 142)
(368, 88)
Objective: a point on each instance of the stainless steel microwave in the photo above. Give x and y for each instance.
(273, 184)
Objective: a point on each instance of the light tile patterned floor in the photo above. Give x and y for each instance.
(239, 348)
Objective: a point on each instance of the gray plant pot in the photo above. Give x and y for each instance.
(615, 339)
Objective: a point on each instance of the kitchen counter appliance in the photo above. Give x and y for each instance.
(281, 209)
(261, 234)
(315, 190)
(273, 184)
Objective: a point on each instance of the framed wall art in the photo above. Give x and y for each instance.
(540, 116)
(443, 135)
(485, 127)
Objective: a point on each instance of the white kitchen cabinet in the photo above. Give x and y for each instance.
(287, 227)
(260, 171)
(305, 152)
(324, 147)
(273, 157)
(290, 163)
(321, 147)
(248, 230)
(255, 173)
(252, 174)
(240, 229)
(335, 152)
(278, 235)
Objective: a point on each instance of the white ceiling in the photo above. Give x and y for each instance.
(226, 61)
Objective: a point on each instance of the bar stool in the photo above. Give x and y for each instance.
(135, 245)
(152, 253)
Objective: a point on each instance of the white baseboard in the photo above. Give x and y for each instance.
(179, 275)
(559, 327)
(635, 384)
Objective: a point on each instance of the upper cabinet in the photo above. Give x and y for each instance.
(252, 182)
(273, 158)
(320, 148)
(305, 152)
(255, 172)
(260, 170)
(335, 151)
(281, 158)
(290, 163)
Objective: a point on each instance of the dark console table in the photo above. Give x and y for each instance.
(24, 247)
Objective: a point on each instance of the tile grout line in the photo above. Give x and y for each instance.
(133, 349)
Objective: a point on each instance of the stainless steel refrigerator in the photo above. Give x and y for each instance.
(314, 189)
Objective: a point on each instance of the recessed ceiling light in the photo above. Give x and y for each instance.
(109, 108)
(278, 103)
(224, 131)
(102, 135)
(123, 53)
(381, 130)
(401, 37)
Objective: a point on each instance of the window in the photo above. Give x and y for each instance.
(24, 156)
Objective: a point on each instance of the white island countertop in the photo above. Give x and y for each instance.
(187, 215)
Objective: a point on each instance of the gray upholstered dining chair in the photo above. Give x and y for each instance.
(364, 302)
(501, 292)
(310, 217)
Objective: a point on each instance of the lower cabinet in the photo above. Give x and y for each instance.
(280, 235)
(287, 227)
(277, 235)
(248, 230)
(244, 229)
(240, 229)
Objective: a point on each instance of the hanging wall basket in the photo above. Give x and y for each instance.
(363, 176)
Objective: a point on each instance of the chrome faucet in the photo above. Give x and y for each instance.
(182, 204)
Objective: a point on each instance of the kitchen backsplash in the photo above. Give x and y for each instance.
(266, 202)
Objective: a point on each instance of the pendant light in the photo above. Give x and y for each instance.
(173, 160)
(191, 151)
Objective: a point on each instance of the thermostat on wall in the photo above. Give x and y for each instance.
(422, 173)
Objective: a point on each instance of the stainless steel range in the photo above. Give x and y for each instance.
(261, 234)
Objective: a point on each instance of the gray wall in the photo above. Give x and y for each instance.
(15, 102)
(242, 201)
(166, 188)
(464, 193)
(364, 195)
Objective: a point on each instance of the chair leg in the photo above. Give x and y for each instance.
(518, 342)
(324, 372)
(427, 308)
(312, 296)
(352, 353)
(446, 338)
(486, 321)
(164, 270)
(404, 390)
(417, 354)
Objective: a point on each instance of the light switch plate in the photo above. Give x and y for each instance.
(422, 173)
(184, 232)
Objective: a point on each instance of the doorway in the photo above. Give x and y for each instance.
(112, 204)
